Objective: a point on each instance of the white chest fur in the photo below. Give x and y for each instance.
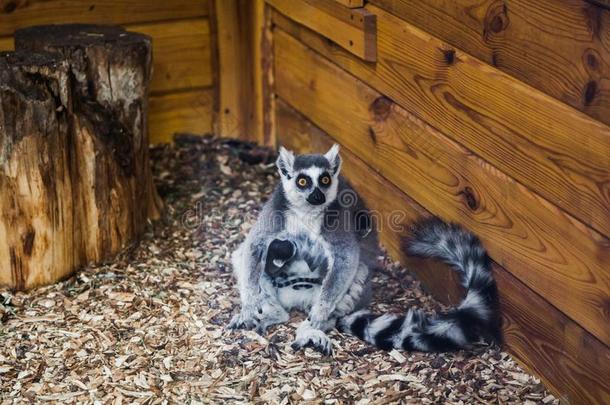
(301, 221)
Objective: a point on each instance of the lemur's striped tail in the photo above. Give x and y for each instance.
(475, 319)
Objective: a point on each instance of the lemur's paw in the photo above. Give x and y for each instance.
(261, 328)
(266, 315)
(243, 321)
(314, 338)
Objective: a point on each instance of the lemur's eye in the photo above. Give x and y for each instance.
(303, 181)
(325, 179)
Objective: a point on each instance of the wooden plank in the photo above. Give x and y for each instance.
(18, 14)
(351, 3)
(560, 153)
(239, 26)
(353, 29)
(559, 47)
(268, 80)
(551, 252)
(569, 360)
(181, 54)
(7, 44)
(185, 112)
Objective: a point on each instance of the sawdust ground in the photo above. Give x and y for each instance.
(148, 327)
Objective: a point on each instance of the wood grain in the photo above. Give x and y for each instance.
(267, 106)
(559, 47)
(186, 112)
(557, 151)
(16, 14)
(353, 29)
(38, 242)
(238, 65)
(551, 252)
(569, 360)
(181, 54)
(7, 44)
(351, 3)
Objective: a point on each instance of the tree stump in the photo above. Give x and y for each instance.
(111, 195)
(36, 209)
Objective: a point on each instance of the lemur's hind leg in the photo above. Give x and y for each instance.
(262, 308)
(249, 296)
(269, 312)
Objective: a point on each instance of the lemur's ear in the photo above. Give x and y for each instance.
(334, 159)
(285, 162)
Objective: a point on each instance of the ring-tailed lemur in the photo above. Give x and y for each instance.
(314, 247)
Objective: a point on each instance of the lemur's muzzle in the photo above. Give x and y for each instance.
(316, 197)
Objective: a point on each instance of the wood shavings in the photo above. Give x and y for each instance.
(149, 326)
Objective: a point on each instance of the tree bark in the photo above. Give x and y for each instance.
(36, 209)
(111, 196)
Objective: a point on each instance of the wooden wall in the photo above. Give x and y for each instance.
(181, 96)
(493, 114)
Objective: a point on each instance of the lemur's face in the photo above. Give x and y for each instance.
(310, 181)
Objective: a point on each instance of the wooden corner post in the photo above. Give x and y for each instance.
(241, 58)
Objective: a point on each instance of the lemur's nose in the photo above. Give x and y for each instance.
(316, 197)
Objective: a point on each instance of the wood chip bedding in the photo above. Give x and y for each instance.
(148, 326)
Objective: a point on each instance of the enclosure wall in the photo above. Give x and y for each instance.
(181, 90)
(492, 114)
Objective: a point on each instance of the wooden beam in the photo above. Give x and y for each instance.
(19, 14)
(561, 259)
(558, 47)
(239, 32)
(569, 360)
(181, 54)
(185, 112)
(268, 80)
(353, 29)
(560, 153)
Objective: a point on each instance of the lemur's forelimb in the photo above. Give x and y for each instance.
(341, 273)
(259, 306)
